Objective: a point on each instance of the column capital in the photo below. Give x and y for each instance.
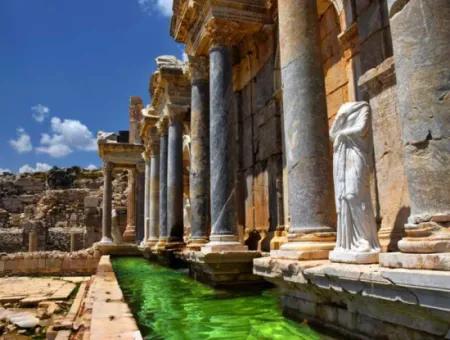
(198, 68)
(222, 32)
(176, 112)
(163, 125)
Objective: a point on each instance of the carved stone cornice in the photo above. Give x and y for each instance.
(170, 83)
(198, 68)
(201, 24)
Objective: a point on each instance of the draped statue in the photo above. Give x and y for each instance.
(357, 239)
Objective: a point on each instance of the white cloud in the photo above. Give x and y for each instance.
(68, 135)
(40, 167)
(23, 142)
(91, 167)
(184, 56)
(3, 170)
(163, 7)
(40, 112)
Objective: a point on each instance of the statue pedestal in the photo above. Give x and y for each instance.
(346, 256)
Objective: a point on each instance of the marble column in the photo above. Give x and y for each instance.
(199, 165)
(224, 234)
(130, 232)
(107, 203)
(310, 184)
(146, 197)
(421, 41)
(175, 223)
(153, 234)
(140, 201)
(163, 231)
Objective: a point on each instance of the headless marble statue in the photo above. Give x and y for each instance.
(357, 239)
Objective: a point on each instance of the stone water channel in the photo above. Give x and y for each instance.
(168, 304)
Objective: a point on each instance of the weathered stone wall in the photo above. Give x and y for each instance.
(355, 41)
(83, 262)
(259, 138)
(55, 205)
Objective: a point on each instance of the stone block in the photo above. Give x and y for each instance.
(374, 50)
(263, 86)
(261, 197)
(370, 20)
(439, 261)
(267, 139)
(247, 143)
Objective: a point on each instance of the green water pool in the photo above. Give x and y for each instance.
(170, 305)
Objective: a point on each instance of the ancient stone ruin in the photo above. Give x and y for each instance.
(304, 143)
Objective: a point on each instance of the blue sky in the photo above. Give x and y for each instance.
(67, 70)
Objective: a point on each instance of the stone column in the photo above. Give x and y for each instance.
(135, 112)
(420, 37)
(146, 157)
(32, 241)
(130, 232)
(310, 185)
(107, 203)
(175, 223)
(140, 201)
(199, 166)
(153, 234)
(163, 232)
(73, 241)
(224, 234)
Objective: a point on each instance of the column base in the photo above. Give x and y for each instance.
(161, 244)
(314, 246)
(278, 240)
(225, 268)
(151, 243)
(426, 237)
(196, 243)
(129, 234)
(223, 243)
(174, 245)
(348, 256)
(440, 261)
(106, 240)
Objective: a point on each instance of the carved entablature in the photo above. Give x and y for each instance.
(201, 24)
(170, 84)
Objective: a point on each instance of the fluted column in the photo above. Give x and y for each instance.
(146, 157)
(199, 165)
(310, 186)
(107, 203)
(224, 234)
(130, 232)
(163, 232)
(175, 223)
(421, 42)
